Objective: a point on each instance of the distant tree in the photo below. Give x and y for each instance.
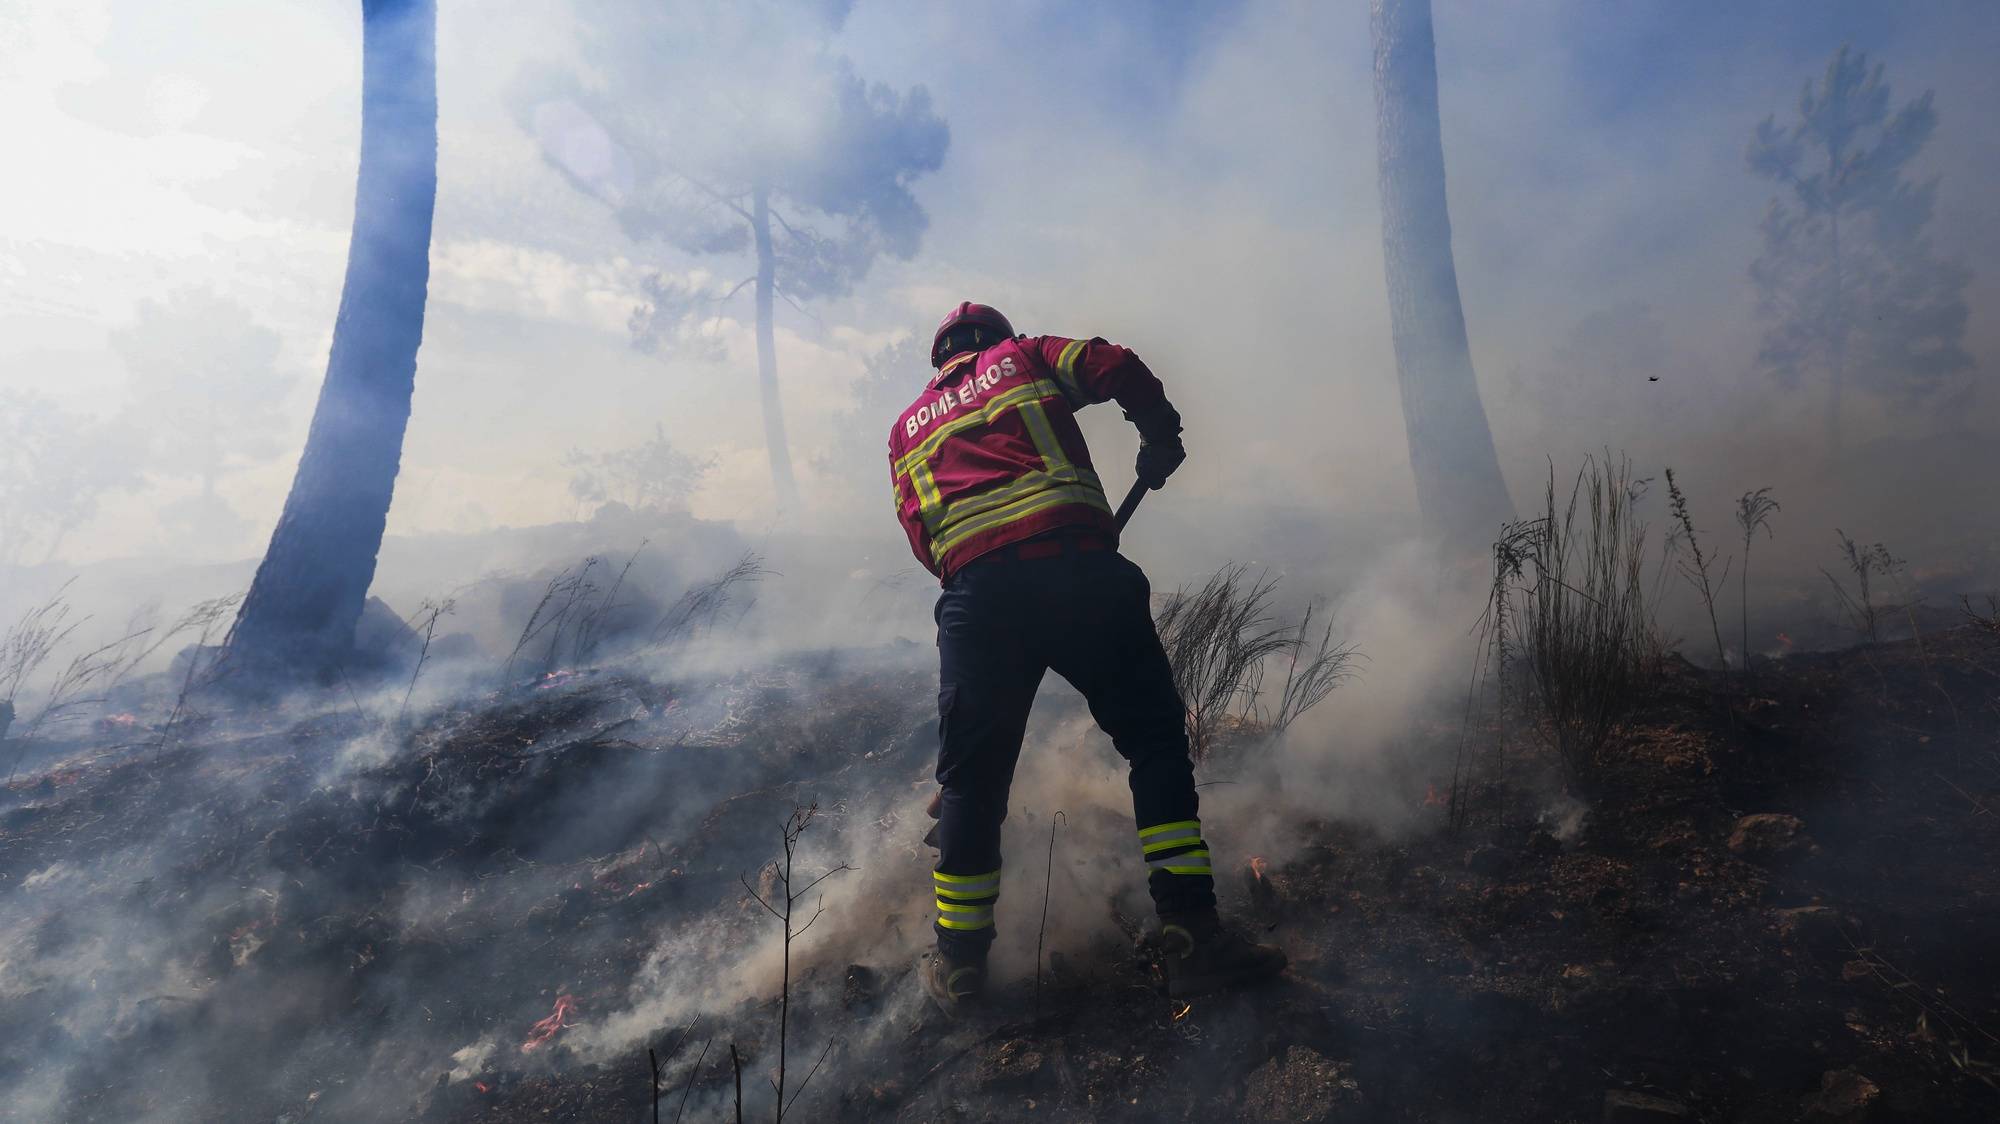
(208, 397)
(729, 129)
(1847, 282)
(1460, 491)
(56, 466)
(300, 613)
(890, 380)
(650, 476)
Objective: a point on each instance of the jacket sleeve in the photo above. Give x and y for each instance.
(1093, 370)
(907, 512)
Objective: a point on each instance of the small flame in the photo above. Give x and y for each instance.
(1784, 642)
(1257, 865)
(1431, 797)
(1182, 1010)
(482, 1086)
(546, 1029)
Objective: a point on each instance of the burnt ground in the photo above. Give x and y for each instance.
(502, 871)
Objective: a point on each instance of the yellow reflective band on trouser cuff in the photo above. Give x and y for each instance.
(1148, 833)
(1187, 862)
(964, 916)
(1177, 837)
(966, 885)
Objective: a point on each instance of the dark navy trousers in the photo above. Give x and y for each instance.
(1002, 622)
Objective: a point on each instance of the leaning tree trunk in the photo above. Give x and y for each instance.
(782, 481)
(1459, 488)
(300, 613)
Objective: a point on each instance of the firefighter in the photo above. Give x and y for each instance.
(995, 489)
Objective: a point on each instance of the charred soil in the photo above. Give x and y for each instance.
(1778, 903)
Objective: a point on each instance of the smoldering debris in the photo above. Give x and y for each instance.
(494, 908)
(505, 869)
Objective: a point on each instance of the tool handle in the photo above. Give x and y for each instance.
(1130, 503)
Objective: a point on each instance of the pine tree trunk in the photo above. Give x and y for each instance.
(782, 481)
(300, 613)
(1459, 488)
(1837, 373)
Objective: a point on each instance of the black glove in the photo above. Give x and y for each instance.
(1160, 449)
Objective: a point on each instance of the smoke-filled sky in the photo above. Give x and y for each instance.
(1195, 180)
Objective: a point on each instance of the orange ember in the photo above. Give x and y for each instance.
(546, 1029)
(1431, 797)
(1257, 865)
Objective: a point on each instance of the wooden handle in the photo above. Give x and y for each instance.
(1131, 503)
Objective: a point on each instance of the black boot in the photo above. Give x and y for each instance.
(1200, 954)
(954, 985)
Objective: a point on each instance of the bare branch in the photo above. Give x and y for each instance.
(789, 228)
(829, 874)
(801, 308)
(801, 930)
(693, 1071)
(809, 1074)
(711, 192)
(759, 898)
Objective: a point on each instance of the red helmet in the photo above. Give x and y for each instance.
(969, 314)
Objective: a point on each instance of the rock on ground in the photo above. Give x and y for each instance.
(1301, 1086)
(1844, 1097)
(1767, 835)
(1623, 1106)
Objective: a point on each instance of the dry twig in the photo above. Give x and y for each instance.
(789, 833)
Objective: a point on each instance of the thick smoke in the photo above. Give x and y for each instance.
(1196, 182)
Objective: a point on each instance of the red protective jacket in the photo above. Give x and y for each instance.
(990, 453)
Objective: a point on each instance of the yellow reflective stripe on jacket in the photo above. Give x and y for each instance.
(1036, 419)
(930, 503)
(948, 515)
(940, 518)
(1020, 509)
(1066, 373)
(985, 413)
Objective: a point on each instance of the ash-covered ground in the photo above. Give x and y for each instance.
(1780, 905)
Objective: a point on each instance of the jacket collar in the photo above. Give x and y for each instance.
(950, 370)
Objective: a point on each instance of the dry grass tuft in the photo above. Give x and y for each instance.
(1567, 611)
(1218, 639)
